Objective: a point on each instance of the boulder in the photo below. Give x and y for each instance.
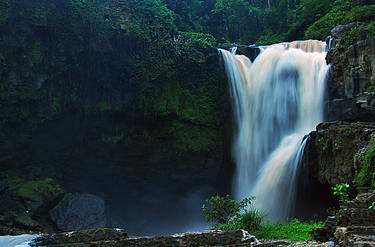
(78, 212)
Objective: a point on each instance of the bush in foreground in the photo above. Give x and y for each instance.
(250, 221)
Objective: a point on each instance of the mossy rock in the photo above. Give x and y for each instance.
(364, 180)
(37, 193)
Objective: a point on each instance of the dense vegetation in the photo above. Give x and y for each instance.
(228, 214)
(88, 83)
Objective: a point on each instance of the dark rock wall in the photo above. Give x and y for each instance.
(352, 77)
(111, 108)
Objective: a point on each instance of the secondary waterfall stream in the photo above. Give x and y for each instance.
(277, 100)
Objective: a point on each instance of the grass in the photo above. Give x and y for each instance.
(294, 230)
(250, 221)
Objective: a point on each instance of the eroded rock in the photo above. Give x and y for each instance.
(351, 78)
(79, 212)
(115, 237)
(334, 150)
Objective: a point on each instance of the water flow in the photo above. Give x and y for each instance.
(277, 100)
(17, 241)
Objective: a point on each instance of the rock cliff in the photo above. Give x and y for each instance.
(351, 79)
(342, 152)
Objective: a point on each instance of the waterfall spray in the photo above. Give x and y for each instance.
(277, 100)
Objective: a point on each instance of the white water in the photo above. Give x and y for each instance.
(277, 100)
(16, 241)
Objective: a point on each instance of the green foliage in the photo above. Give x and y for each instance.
(322, 28)
(4, 10)
(270, 38)
(364, 179)
(343, 12)
(371, 89)
(372, 206)
(37, 190)
(251, 221)
(341, 190)
(294, 230)
(223, 210)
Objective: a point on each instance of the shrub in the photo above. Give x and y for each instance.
(364, 179)
(251, 221)
(224, 210)
(341, 190)
(340, 16)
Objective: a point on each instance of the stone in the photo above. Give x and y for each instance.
(79, 212)
(25, 222)
(355, 225)
(333, 150)
(36, 194)
(351, 78)
(92, 235)
(116, 237)
(340, 30)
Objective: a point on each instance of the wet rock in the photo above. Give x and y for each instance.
(78, 212)
(115, 237)
(336, 145)
(36, 194)
(351, 78)
(340, 30)
(25, 222)
(92, 235)
(249, 51)
(354, 225)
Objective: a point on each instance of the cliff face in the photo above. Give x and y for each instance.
(351, 79)
(342, 152)
(338, 151)
(121, 109)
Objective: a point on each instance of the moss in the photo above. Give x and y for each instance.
(371, 89)
(36, 52)
(36, 190)
(364, 180)
(190, 138)
(4, 11)
(325, 143)
(104, 106)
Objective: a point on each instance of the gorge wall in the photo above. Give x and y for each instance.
(111, 112)
(341, 152)
(114, 105)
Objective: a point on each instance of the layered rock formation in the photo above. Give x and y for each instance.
(354, 224)
(352, 76)
(338, 149)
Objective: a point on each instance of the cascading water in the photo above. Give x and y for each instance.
(17, 241)
(277, 100)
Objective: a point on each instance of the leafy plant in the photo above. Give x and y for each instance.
(364, 179)
(341, 190)
(251, 221)
(293, 230)
(224, 210)
(372, 206)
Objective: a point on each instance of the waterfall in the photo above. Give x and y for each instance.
(277, 100)
(17, 241)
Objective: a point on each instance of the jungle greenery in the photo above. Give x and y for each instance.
(78, 46)
(228, 214)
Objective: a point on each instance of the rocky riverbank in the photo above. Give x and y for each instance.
(119, 238)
